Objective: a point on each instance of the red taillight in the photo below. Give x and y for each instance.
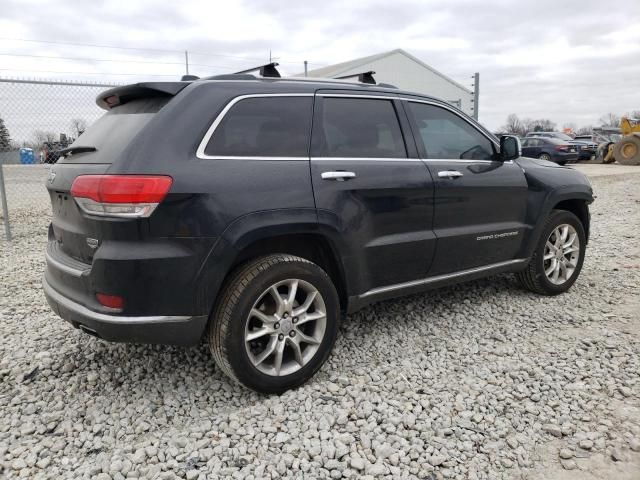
(111, 301)
(120, 195)
(561, 148)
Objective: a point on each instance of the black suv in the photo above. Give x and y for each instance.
(253, 212)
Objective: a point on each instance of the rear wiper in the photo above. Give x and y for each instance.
(72, 150)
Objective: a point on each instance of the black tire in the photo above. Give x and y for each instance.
(627, 150)
(245, 286)
(533, 277)
(545, 156)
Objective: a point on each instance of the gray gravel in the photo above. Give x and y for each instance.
(478, 381)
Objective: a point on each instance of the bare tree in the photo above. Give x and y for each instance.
(513, 126)
(42, 136)
(78, 126)
(610, 120)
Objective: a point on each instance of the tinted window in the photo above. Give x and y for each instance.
(359, 128)
(114, 131)
(446, 135)
(264, 127)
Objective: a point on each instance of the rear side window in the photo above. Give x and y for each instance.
(358, 128)
(115, 130)
(447, 136)
(264, 127)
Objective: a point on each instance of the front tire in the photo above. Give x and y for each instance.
(275, 324)
(557, 260)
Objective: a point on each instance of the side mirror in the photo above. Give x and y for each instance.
(510, 148)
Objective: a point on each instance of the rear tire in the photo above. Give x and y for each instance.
(545, 156)
(261, 317)
(541, 270)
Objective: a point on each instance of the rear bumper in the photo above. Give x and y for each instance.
(171, 330)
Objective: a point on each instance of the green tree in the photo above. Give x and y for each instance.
(5, 138)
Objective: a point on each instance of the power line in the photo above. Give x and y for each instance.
(94, 45)
(86, 59)
(93, 73)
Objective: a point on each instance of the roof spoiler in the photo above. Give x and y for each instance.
(121, 95)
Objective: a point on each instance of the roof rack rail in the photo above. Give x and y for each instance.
(268, 70)
(232, 76)
(364, 77)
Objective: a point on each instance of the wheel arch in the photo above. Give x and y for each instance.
(288, 231)
(579, 208)
(312, 246)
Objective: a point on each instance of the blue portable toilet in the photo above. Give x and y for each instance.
(26, 156)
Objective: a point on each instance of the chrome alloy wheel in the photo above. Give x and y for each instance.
(561, 254)
(285, 327)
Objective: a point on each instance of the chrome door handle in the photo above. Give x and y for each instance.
(450, 174)
(338, 176)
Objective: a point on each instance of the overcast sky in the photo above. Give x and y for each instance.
(570, 61)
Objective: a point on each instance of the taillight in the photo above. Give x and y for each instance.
(561, 148)
(128, 196)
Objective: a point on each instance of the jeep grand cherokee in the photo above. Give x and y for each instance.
(253, 212)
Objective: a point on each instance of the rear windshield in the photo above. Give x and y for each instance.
(113, 132)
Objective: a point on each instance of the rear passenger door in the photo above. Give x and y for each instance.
(480, 201)
(370, 188)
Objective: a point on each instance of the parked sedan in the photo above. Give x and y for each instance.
(584, 147)
(550, 149)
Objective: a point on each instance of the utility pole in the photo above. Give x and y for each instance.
(186, 62)
(476, 94)
(270, 61)
(305, 68)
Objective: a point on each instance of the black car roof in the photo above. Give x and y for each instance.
(126, 92)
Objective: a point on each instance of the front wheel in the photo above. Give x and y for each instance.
(275, 324)
(558, 257)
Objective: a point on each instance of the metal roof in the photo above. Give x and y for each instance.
(340, 68)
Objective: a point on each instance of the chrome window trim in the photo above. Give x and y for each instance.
(369, 159)
(207, 136)
(426, 281)
(351, 95)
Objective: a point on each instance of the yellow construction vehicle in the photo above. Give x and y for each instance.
(626, 150)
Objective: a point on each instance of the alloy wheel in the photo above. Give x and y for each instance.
(561, 254)
(285, 327)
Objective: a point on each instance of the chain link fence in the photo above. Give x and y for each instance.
(38, 118)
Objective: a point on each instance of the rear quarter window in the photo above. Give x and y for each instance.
(263, 127)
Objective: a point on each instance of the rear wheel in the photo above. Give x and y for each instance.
(275, 324)
(545, 156)
(558, 257)
(627, 150)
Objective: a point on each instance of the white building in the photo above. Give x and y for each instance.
(406, 72)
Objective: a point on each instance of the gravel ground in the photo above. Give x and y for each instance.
(478, 381)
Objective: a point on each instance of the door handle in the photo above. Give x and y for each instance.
(339, 176)
(450, 174)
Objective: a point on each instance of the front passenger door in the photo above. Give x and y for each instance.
(480, 201)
